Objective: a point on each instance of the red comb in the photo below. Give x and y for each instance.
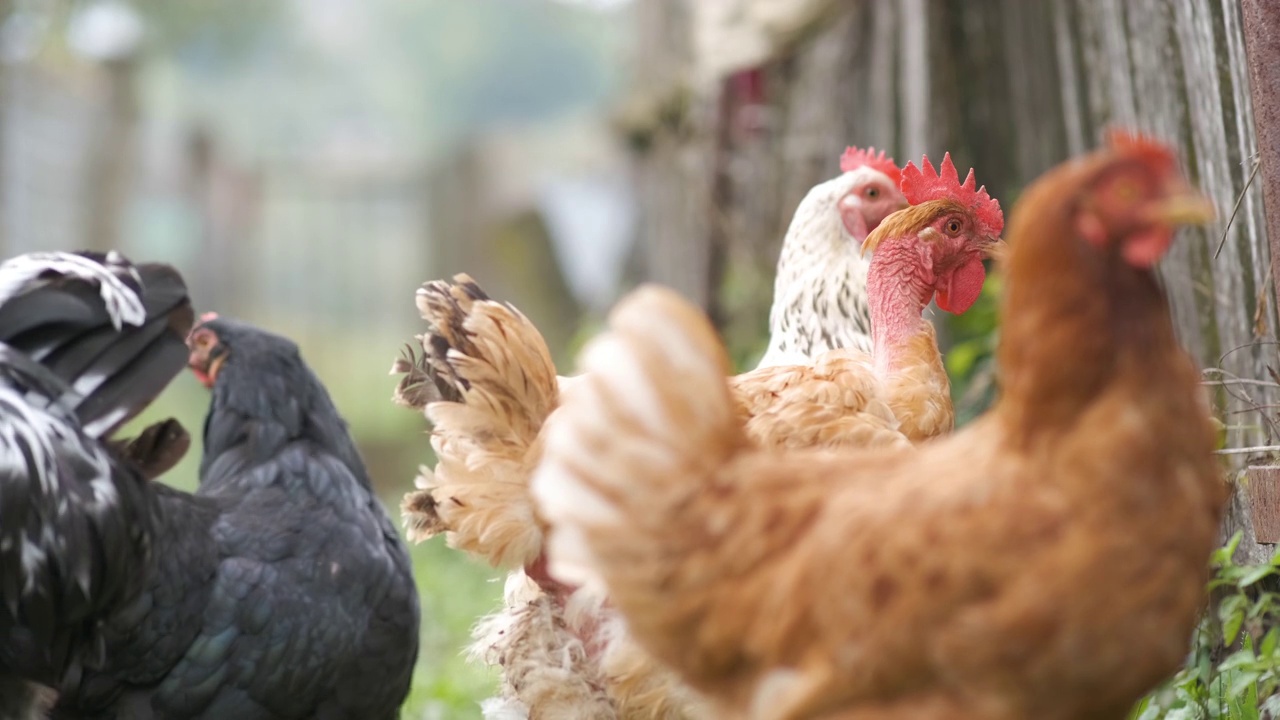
(1146, 147)
(920, 185)
(208, 316)
(854, 158)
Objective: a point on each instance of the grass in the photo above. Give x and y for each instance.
(455, 592)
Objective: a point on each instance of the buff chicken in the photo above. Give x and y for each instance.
(958, 579)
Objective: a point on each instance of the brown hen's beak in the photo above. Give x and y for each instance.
(1182, 208)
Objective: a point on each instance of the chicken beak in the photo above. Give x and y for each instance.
(215, 365)
(1181, 208)
(997, 250)
(206, 371)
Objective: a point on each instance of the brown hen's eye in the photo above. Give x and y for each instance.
(1126, 191)
(953, 227)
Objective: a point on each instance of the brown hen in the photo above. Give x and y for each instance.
(1048, 561)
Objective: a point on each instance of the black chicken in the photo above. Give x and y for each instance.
(280, 589)
(86, 341)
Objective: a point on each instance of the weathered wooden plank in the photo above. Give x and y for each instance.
(1261, 31)
(1263, 484)
(1011, 88)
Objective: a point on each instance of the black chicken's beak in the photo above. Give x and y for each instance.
(205, 364)
(206, 351)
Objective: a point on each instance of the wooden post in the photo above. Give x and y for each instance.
(1261, 20)
(6, 8)
(1264, 503)
(111, 165)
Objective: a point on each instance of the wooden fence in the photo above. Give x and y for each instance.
(1008, 87)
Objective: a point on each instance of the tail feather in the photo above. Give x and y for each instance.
(112, 331)
(84, 344)
(651, 417)
(487, 383)
(133, 372)
(113, 278)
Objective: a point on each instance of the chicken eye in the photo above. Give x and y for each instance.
(1126, 191)
(873, 193)
(953, 227)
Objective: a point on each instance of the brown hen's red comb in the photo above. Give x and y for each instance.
(854, 158)
(1151, 150)
(922, 185)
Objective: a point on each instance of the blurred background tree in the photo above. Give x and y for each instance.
(309, 163)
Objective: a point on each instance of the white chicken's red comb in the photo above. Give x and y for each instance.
(854, 158)
(923, 184)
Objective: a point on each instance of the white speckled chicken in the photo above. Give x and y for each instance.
(486, 381)
(820, 293)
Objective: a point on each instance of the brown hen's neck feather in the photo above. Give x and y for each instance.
(1074, 318)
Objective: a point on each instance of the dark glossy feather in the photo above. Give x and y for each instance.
(281, 590)
(75, 518)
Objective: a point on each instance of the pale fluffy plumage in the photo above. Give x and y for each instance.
(487, 383)
(546, 666)
(820, 291)
(963, 579)
(549, 672)
(835, 402)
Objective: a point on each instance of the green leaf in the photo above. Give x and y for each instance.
(1256, 573)
(1262, 605)
(1236, 660)
(1222, 556)
(1220, 429)
(961, 358)
(1145, 710)
(1231, 615)
(1242, 683)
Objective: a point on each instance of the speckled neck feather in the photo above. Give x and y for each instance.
(820, 294)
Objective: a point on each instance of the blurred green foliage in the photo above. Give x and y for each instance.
(970, 359)
(1233, 669)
